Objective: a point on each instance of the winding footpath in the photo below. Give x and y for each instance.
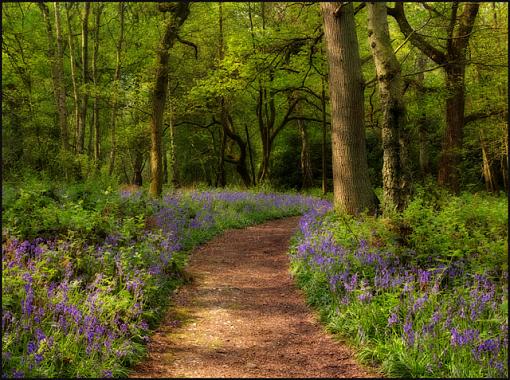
(243, 316)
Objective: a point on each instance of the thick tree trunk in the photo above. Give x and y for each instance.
(395, 171)
(84, 78)
(178, 14)
(113, 151)
(57, 69)
(352, 190)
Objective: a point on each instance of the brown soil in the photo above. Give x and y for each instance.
(242, 316)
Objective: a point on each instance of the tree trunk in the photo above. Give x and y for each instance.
(451, 150)
(306, 165)
(138, 168)
(423, 132)
(178, 14)
(395, 171)
(95, 115)
(352, 190)
(84, 78)
(116, 79)
(76, 96)
(323, 144)
(490, 182)
(57, 69)
(173, 159)
(454, 63)
(221, 179)
(252, 165)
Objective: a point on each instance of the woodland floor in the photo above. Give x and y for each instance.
(243, 316)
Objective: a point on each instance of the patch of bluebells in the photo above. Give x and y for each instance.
(440, 313)
(74, 308)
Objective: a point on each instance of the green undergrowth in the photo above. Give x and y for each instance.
(88, 269)
(423, 293)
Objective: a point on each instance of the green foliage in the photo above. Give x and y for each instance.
(427, 288)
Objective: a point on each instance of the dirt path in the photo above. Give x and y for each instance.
(242, 316)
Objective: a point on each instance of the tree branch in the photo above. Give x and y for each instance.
(416, 39)
(185, 42)
(484, 114)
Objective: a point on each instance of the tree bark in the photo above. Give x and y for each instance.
(57, 69)
(72, 58)
(306, 165)
(352, 190)
(116, 79)
(490, 182)
(250, 151)
(178, 12)
(395, 170)
(95, 115)
(423, 132)
(323, 143)
(84, 78)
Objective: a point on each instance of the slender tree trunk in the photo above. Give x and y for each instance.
(306, 165)
(423, 133)
(395, 171)
(95, 115)
(352, 190)
(138, 168)
(490, 182)
(252, 164)
(173, 158)
(178, 14)
(323, 144)
(72, 59)
(221, 179)
(116, 87)
(84, 78)
(57, 69)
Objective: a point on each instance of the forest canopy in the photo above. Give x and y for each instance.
(247, 92)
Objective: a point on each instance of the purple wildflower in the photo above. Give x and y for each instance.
(392, 319)
(409, 333)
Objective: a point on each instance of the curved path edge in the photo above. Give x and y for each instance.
(243, 316)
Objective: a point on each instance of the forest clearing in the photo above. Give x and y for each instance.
(254, 189)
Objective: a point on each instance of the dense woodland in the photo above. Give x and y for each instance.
(241, 93)
(134, 131)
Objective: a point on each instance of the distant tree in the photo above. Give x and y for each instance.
(116, 79)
